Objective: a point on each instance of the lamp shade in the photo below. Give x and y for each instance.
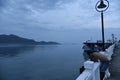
(101, 5)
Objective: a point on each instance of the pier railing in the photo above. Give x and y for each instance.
(92, 71)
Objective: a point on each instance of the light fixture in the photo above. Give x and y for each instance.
(102, 5)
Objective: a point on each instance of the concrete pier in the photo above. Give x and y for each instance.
(115, 64)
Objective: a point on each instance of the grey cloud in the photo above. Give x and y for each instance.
(39, 4)
(3, 4)
(47, 4)
(20, 11)
(23, 8)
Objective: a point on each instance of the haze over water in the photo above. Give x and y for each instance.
(56, 62)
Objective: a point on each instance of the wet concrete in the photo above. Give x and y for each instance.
(115, 64)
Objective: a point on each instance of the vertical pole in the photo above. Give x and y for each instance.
(102, 22)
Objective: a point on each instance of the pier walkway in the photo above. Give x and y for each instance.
(115, 64)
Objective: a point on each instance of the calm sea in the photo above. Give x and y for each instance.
(53, 62)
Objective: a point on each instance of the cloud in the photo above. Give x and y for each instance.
(29, 11)
(47, 11)
(2, 4)
(37, 16)
(37, 4)
(49, 4)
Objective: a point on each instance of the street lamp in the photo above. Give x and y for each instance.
(102, 6)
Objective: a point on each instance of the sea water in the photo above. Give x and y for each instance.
(41, 62)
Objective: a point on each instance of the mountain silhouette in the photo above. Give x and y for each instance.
(13, 39)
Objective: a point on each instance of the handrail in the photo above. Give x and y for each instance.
(91, 71)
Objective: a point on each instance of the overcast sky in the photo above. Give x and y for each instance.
(57, 20)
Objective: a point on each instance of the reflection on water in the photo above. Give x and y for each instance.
(60, 62)
(12, 51)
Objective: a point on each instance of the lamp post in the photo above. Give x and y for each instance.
(102, 6)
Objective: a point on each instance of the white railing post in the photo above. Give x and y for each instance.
(89, 65)
(91, 71)
(96, 71)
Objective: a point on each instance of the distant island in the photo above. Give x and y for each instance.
(13, 39)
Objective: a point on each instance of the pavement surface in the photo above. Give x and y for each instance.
(115, 64)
